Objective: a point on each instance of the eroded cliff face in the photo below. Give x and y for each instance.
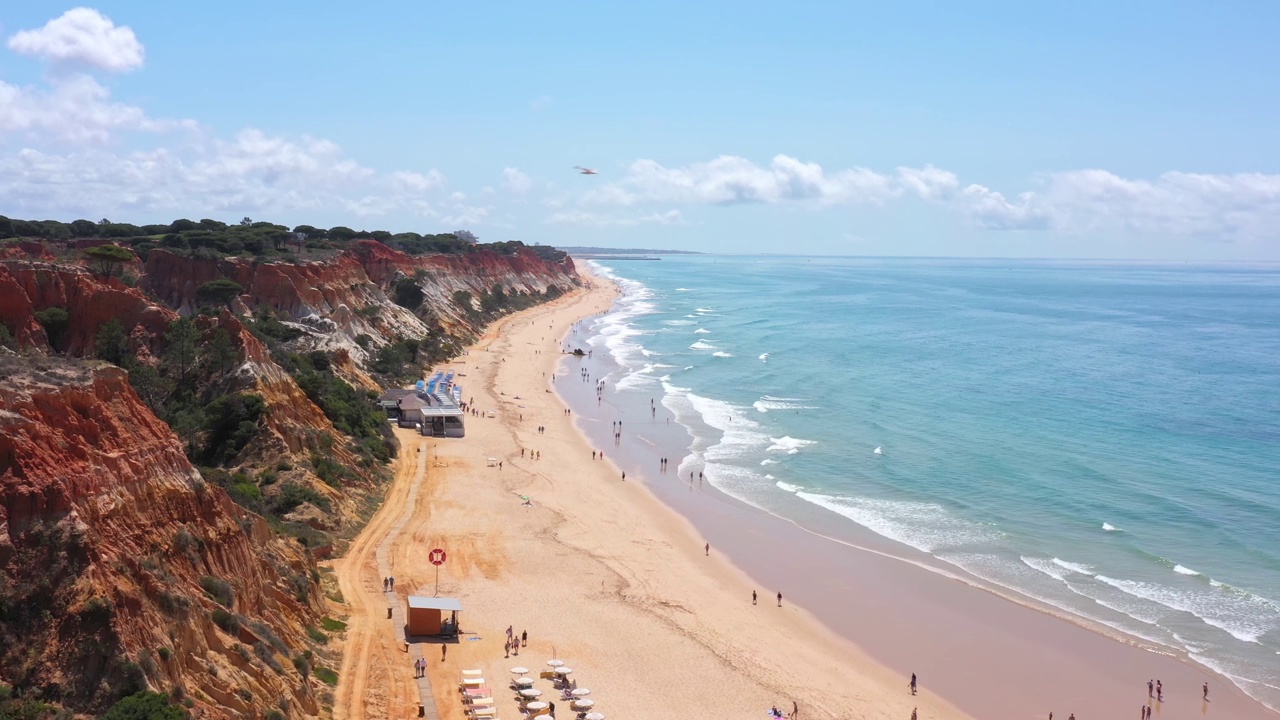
(110, 543)
(27, 287)
(291, 428)
(336, 301)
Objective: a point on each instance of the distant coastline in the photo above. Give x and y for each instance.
(621, 253)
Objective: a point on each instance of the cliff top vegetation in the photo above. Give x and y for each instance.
(259, 240)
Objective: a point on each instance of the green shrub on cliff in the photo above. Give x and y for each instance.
(55, 321)
(108, 259)
(144, 706)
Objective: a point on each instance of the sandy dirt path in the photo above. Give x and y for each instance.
(375, 680)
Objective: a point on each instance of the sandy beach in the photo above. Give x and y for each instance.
(607, 576)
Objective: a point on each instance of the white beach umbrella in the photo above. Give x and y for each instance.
(584, 703)
(581, 692)
(555, 663)
(524, 681)
(594, 716)
(563, 670)
(536, 705)
(519, 671)
(531, 692)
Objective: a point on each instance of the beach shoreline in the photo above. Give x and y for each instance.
(749, 536)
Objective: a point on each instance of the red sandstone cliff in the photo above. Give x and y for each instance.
(293, 423)
(105, 534)
(335, 301)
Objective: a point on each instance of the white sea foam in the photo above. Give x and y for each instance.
(1074, 567)
(679, 323)
(1245, 616)
(767, 403)
(735, 437)
(789, 445)
(1108, 527)
(768, 461)
(683, 289)
(788, 487)
(702, 331)
(878, 451)
(764, 357)
(769, 477)
(1183, 570)
(721, 353)
(1046, 566)
(615, 330)
(704, 310)
(701, 345)
(924, 526)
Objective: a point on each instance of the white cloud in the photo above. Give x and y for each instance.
(413, 182)
(670, 217)
(76, 109)
(516, 181)
(1242, 206)
(82, 37)
(730, 180)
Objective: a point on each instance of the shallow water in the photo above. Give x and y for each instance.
(1102, 437)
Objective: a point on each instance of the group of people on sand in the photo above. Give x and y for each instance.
(774, 712)
(513, 644)
(1155, 691)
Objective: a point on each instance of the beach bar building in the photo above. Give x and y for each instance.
(432, 409)
(389, 401)
(427, 615)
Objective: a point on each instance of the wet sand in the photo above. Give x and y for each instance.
(990, 656)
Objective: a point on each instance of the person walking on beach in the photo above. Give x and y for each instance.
(795, 710)
(624, 476)
(506, 648)
(1159, 691)
(753, 597)
(392, 579)
(524, 638)
(913, 714)
(707, 548)
(780, 604)
(1206, 692)
(1151, 689)
(912, 684)
(444, 650)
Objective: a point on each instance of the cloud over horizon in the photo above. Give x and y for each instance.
(1243, 206)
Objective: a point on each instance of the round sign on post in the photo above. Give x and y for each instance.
(436, 557)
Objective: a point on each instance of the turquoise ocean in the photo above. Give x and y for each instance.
(1102, 438)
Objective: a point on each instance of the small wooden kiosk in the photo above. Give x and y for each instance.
(427, 615)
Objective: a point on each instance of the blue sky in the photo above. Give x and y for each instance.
(1137, 129)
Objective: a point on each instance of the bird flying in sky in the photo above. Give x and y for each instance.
(584, 171)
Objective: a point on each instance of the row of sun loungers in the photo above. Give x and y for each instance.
(477, 696)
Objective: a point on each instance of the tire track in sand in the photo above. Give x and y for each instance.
(366, 605)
